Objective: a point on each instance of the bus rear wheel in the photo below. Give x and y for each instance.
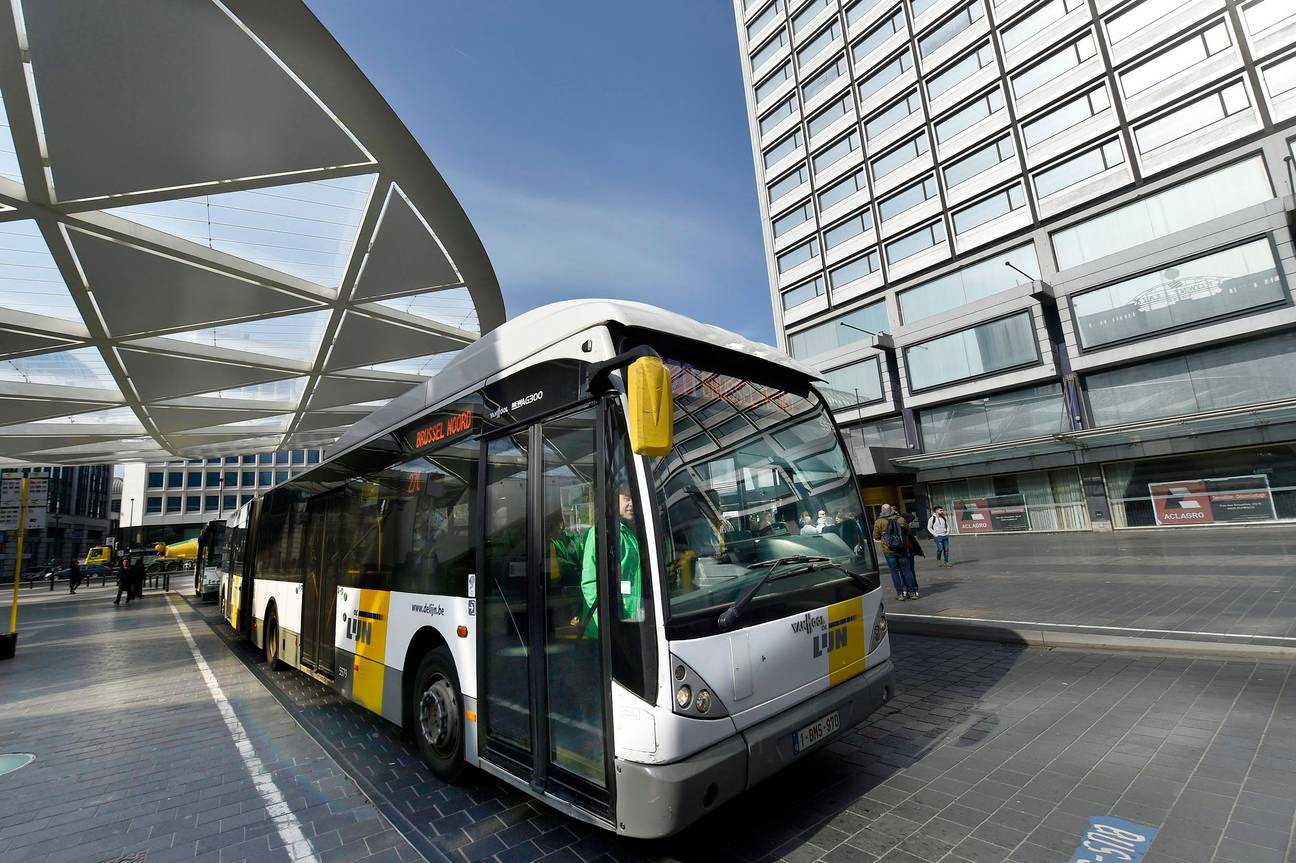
(272, 643)
(438, 715)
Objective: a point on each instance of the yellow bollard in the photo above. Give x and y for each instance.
(11, 647)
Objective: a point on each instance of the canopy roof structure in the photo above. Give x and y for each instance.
(215, 235)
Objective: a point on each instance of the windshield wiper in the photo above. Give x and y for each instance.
(730, 615)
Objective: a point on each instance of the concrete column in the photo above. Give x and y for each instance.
(1095, 492)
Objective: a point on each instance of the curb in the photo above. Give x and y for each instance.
(1031, 636)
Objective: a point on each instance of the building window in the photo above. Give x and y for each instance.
(248, 459)
(249, 478)
(806, 16)
(175, 479)
(281, 476)
(231, 459)
(1175, 60)
(859, 383)
(824, 79)
(988, 348)
(771, 47)
(979, 161)
(960, 70)
(155, 479)
(988, 209)
(835, 152)
(1217, 285)
(1190, 203)
(1280, 76)
(792, 219)
(782, 149)
(281, 458)
(1013, 415)
(825, 118)
(229, 501)
(950, 28)
(192, 503)
(831, 334)
(852, 271)
(172, 504)
(798, 255)
(969, 115)
(788, 182)
(803, 293)
(842, 189)
(915, 241)
(1065, 116)
(847, 230)
(982, 279)
(1246, 373)
(1013, 502)
(231, 479)
(1078, 168)
(1264, 15)
(1054, 66)
(264, 478)
(312, 456)
(888, 432)
(265, 458)
(210, 502)
(195, 478)
(152, 505)
(901, 155)
(245, 499)
(893, 114)
(1137, 16)
(773, 81)
(908, 198)
(1035, 21)
(817, 44)
(889, 72)
(764, 19)
(787, 108)
(213, 478)
(858, 10)
(874, 38)
(1192, 117)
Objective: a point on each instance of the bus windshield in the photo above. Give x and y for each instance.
(757, 475)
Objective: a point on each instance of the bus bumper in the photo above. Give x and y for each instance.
(660, 799)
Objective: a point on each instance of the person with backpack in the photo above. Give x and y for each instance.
(893, 534)
(938, 527)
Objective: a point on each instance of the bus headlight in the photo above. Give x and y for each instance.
(879, 628)
(683, 696)
(703, 701)
(694, 697)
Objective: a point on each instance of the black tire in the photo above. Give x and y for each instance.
(272, 643)
(438, 715)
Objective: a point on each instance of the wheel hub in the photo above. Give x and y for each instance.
(438, 714)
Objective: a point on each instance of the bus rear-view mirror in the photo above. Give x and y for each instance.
(652, 408)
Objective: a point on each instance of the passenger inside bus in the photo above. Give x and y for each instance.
(630, 571)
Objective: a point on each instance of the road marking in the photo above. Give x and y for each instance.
(285, 821)
(940, 617)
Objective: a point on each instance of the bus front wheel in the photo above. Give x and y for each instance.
(438, 715)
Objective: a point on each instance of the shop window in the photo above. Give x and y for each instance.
(1012, 503)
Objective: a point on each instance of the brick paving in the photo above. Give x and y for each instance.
(989, 753)
(1153, 583)
(134, 761)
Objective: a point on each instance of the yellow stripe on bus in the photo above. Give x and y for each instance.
(847, 656)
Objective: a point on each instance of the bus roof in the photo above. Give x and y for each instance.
(514, 341)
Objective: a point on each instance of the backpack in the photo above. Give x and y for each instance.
(893, 538)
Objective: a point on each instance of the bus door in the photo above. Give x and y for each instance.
(543, 694)
(324, 549)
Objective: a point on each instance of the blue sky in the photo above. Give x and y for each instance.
(600, 147)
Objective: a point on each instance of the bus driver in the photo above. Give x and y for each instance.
(630, 573)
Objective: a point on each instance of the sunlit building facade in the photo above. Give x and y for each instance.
(1042, 249)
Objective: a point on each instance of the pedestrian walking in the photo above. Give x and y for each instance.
(137, 578)
(911, 543)
(891, 532)
(74, 576)
(938, 527)
(123, 581)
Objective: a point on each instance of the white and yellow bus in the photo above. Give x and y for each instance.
(578, 559)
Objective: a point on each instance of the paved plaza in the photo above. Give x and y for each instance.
(989, 753)
(1230, 585)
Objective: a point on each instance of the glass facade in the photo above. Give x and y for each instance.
(1228, 488)
(1217, 285)
(1013, 502)
(201, 493)
(1213, 379)
(986, 348)
(998, 418)
(856, 384)
(968, 285)
(839, 331)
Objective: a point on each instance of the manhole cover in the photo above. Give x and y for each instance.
(132, 857)
(10, 763)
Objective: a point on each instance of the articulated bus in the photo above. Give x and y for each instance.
(609, 555)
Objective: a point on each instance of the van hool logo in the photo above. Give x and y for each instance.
(360, 627)
(810, 623)
(837, 636)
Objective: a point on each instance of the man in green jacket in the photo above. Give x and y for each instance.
(630, 574)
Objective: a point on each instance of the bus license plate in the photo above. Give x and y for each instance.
(816, 731)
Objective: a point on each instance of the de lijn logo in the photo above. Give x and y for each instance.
(360, 627)
(836, 637)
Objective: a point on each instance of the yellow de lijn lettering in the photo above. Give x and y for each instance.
(844, 640)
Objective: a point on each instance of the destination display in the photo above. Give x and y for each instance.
(1213, 500)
